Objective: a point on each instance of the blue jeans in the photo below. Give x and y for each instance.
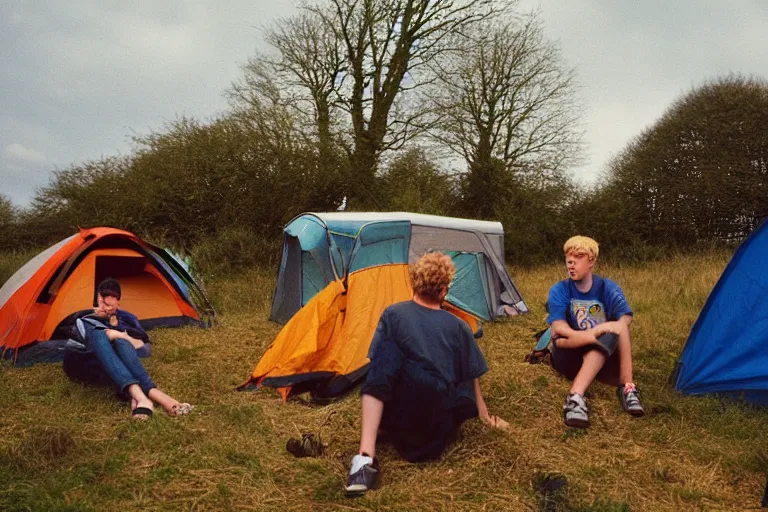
(119, 360)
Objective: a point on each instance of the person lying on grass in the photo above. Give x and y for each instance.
(590, 318)
(113, 356)
(422, 382)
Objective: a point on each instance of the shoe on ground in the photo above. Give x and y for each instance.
(629, 399)
(308, 446)
(575, 411)
(363, 476)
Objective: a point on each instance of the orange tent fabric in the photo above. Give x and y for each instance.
(330, 336)
(473, 322)
(297, 348)
(63, 279)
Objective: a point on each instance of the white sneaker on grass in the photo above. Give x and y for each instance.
(575, 411)
(363, 475)
(629, 398)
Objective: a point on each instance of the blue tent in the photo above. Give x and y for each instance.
(727, 350)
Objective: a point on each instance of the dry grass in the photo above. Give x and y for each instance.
(66, 447)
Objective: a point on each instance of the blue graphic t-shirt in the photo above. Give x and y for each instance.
(602, 303)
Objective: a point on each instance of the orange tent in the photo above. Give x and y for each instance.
(38, 301)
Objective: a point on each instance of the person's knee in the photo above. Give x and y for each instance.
(594, 358)
(122, 344)
(96, 338)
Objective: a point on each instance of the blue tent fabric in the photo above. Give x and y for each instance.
(381, 243)
(469, 284)
(344, 244)
(307, 265)
(727, 349)
(288, 290)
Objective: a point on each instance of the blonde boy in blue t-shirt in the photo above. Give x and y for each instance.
(590, 318)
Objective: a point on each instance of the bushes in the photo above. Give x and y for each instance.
(10, 262)
(413, 183)
(223, 189)
(236, 248)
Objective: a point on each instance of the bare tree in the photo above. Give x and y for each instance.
(383, 46)
(310, 64)
(263, 105)
(506, 106)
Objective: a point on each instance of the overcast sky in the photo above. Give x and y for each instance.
(80, 77)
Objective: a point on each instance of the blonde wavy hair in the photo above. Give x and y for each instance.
(581, 245)
(432, 274)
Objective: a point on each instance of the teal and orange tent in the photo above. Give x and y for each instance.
(340, 270)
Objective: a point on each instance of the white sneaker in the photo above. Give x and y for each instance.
(575, 411)
(362, 475)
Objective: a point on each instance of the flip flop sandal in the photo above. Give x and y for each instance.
(142, 411)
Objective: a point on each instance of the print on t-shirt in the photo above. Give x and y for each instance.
(588, 313)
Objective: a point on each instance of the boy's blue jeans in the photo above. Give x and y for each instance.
(119, 360)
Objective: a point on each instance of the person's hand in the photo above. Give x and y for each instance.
(500, 423)
(107, 305)
(605, 327)
(137, 344)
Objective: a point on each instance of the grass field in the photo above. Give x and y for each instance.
(67, 447)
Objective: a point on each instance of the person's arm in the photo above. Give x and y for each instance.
(482, 410)
(563, 335)
(132, 324)
(472, 367)
(113, 334)
(386, 361)
(617, 305)
(616, 327)
(567, 337)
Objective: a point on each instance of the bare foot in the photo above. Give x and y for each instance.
(179, 409)
(500, 423)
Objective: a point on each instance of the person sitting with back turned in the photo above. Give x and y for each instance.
(115, 340)
(422, 382)
(589, 318)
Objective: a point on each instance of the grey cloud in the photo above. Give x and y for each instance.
(79, 77)
(16, 151)
(21, 179)
(635, 58)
